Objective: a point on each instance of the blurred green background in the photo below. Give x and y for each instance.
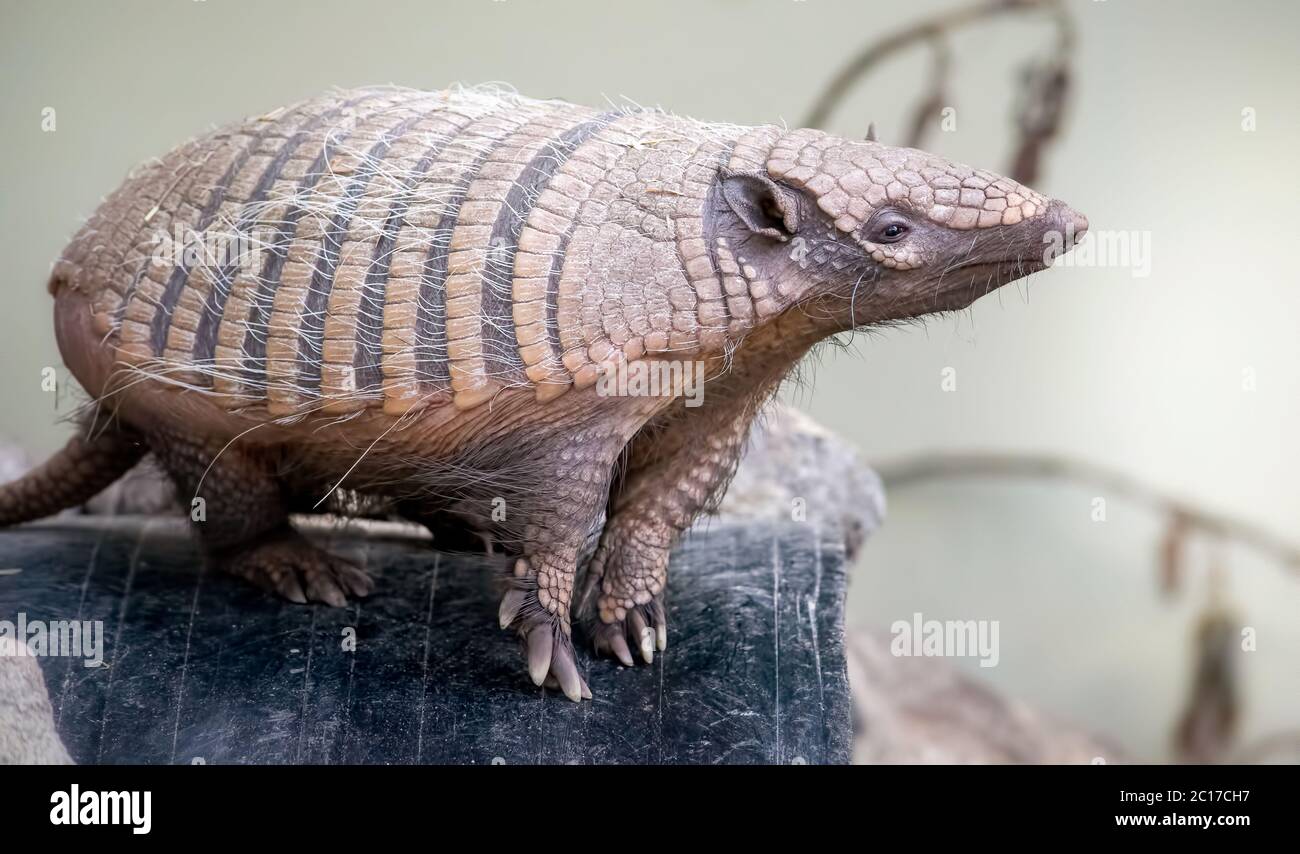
(1144, 375)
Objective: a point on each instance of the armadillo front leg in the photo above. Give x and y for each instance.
(557, 536)
(673, 478)
(237, 507)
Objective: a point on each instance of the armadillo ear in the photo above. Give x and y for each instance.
(761, 204)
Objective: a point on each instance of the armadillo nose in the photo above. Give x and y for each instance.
(1080, 226)
(1071, 224)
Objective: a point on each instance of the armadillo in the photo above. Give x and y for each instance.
(434, 291)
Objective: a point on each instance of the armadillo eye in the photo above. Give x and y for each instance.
(889, 225)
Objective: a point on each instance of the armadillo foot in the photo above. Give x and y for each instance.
(641, 627)
(552, 662)
(288, 565)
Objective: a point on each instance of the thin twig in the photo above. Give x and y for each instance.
(949, 465)
(935, 100)
(1045, 84)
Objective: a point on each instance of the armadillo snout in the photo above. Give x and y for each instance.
(1072, 224)
(1065, 228)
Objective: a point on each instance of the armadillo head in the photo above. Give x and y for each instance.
(865, 232)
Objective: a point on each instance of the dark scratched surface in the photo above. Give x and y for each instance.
(199, 667)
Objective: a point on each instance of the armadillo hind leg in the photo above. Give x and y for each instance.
(236, 506)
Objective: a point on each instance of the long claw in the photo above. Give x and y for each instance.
(510, 605)
(553, 684)
(661, 620)
(291, 589)
(333, 596)
(618, 644)
(564, 668)
(323, 587)
(644, 634)
(661, 624)
(540, 644)
(358, 582)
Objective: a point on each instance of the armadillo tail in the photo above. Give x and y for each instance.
(84, 467)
